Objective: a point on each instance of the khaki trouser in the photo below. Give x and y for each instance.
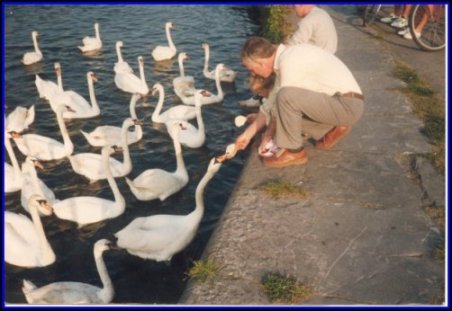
(300, 111)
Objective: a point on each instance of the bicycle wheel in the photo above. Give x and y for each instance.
(370, 13)
(433, 36)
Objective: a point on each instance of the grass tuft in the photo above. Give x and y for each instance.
(429, 108)
(279, 189)
(203, 270)
(281, 288)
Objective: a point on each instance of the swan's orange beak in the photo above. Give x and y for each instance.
(137, 122)
(38, 164)
(14, 134)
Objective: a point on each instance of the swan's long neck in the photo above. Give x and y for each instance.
(60, 81)
(206, 59)
(127, 161)
(158, 108)
(112, 182)
(181, 67)
(200, 120)
(68, 145)
(199, 195)
(180, 170)
(96, 28)
(142, 76)
(218, 83)
(133, 115)
(12, 156)
(107, 292)
(92, 96)
(118, 52)
(35, 44)
(47, 252)
(170, 40)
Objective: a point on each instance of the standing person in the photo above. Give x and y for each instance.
(314, 94)
(315, 27)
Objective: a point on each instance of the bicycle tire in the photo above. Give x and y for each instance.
(370, 13)
(434, 32)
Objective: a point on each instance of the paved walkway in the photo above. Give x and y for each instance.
(361, 236)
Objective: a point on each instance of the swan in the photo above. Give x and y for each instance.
(111, 135)
(19, 120)
(45, 148)
(165, 52)
(80, 106)
(86, 210)
(183, 82)
(13, 174)
(90, 164)
(179, 112)
(226, 75)
(91, 44)
(75, 292)
(157, 183)
(188, 94)
(47, 88)
(121, 65)
(30, 58)
(32, 185)
(190, 136)
(130, 83)
(26, 244)
(159, 237)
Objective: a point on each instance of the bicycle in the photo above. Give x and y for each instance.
(430, 21)
(370, 14)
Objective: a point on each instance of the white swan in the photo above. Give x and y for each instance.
(111, 135)
(47, 88)
(159, 237)
(188, 94)
(130, 83)
(91, 44)
(26, 244)
(19, 120)
(226, 75)
(32, 184)
(82, 109)
(13, 174)
(190, 136)
(90, 164)
(157, 183)
(45, 148)
(182, 82)
(75, 292)
(179, 112)
(121, 65)
(165, 52)
(30, 58)
(86, 210)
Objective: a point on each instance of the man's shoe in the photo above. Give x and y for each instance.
(285, 158)
(251, 102)
(333, 137)
(400, 23)
(388, 19)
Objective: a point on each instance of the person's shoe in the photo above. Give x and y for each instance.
(410, 37)
(388, 19)
(333, 137)
(251, 102)
(285, 158)
(400, 23)
(403, 31)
